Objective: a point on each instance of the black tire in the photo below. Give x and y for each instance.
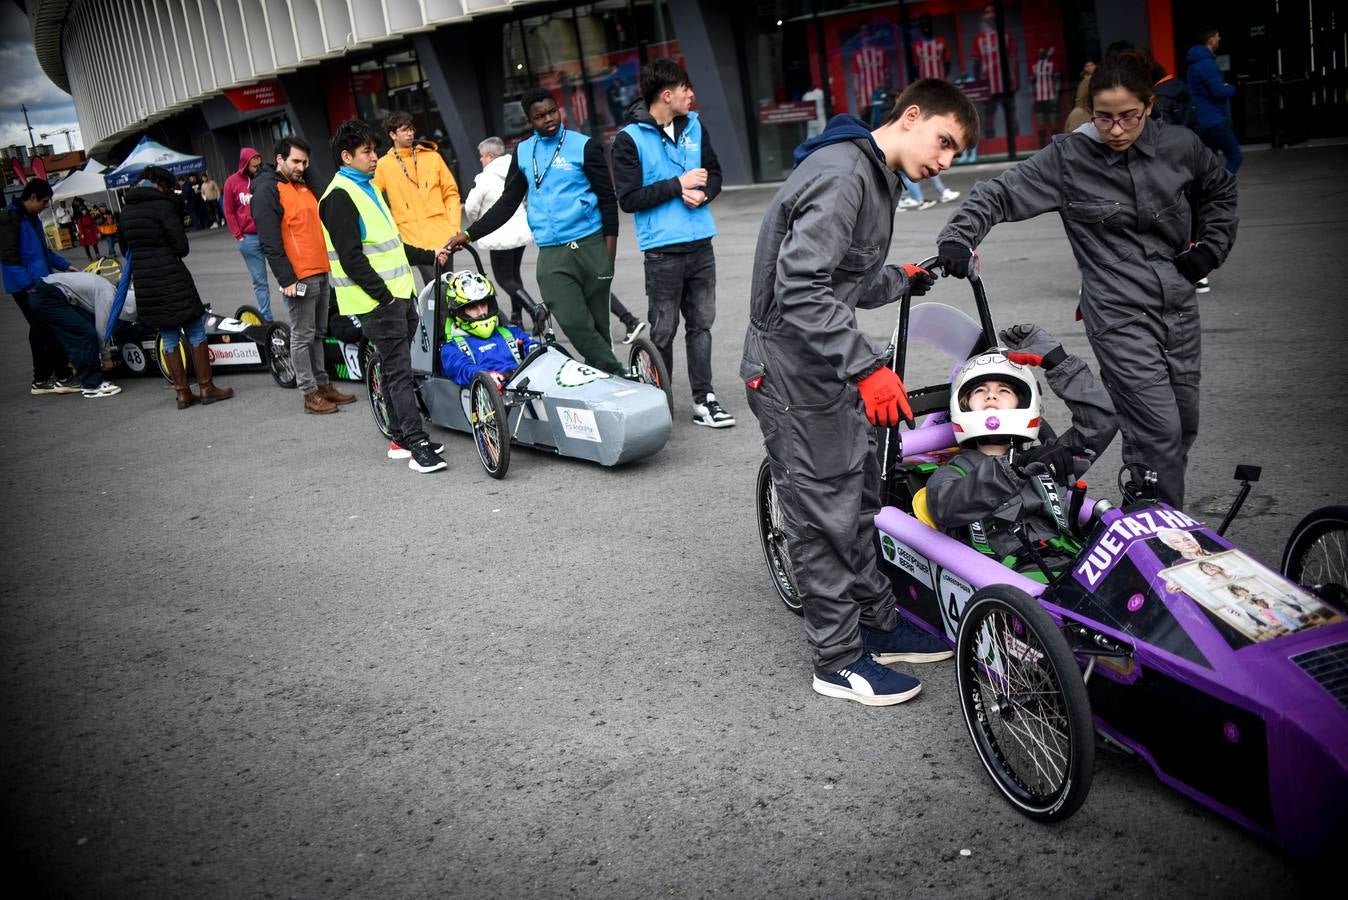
(374, 384)
(133, 357)
(1316, 556)
(276, 344)
(1025, 703)
(773, 540)
(645, 364)
(249, 314)
(182, 353)
(491, 427)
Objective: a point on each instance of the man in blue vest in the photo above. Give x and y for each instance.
(665, 173)
(574, 219)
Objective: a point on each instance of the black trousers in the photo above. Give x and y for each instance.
(391, 328)
(49, 359)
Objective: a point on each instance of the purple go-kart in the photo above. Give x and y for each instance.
(1229, 679)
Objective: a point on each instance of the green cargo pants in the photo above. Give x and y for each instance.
(574, 279)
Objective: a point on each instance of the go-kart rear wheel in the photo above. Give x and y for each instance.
(374, 384)
(248, 314)
(182, 354)
(646, 365)
(1316, 556)
(277, 344)
(773, 538)
(1025, 703)
(491, 427)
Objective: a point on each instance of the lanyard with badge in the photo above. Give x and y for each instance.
(533, 154)
(393, 151)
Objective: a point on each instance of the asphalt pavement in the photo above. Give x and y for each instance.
(246, 655)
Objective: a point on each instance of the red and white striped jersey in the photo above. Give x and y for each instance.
(987, 50)
(580, 105)
(870, 68)
(1045, 87)
(932, 55)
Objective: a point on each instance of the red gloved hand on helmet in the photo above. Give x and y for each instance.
(885, 397)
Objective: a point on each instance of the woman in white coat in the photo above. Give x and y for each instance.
(506, 244)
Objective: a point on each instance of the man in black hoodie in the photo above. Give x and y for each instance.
(817, 383)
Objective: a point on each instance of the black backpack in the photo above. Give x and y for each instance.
(1174, 105)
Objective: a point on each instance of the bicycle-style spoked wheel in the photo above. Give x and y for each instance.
(1025, 703)
(374, 384)
(491, 427)
(1316, 556)
(647, 365)
(773, 538)
(278, 354)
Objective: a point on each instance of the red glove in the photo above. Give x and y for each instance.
(1025, 359)
(885, 397)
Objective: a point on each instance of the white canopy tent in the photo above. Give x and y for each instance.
(82, 183)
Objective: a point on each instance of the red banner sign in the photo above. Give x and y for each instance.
(782, 113)
(257, 96)
(19, 173)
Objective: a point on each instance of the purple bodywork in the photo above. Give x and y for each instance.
(1256, 729)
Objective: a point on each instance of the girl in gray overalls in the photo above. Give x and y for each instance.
(1128, 188)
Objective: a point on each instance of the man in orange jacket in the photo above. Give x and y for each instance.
(422, 194)
(285, 211)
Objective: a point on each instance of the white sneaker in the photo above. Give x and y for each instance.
(906, 203)
(106, 389)
(635, 333)
(710, 413)
(926, 204)
(947, 195)
(1202, 286)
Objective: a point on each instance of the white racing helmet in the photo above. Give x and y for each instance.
(1013, 424)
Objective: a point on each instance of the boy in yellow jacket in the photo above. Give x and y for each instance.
(422, 194)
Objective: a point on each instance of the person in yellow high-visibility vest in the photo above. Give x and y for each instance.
(372, 280)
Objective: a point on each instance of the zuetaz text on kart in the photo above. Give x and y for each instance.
(1136, 639)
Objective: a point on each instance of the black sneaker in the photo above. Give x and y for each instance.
(43, 387)
(711, 414)
(425, 459)
(868, 682)
(69, 385)
(906, 643)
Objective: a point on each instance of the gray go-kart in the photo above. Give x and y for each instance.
(552, 402)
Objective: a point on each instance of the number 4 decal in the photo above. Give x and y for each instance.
(954, 594)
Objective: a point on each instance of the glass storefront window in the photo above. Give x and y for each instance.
(589, 57)
(395, 82)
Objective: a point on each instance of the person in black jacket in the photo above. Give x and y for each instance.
(166, 296)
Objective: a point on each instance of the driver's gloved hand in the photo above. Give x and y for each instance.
(1031, 345)
(955, 258)
(1054, 459)
(919, 279)
(1196, 262)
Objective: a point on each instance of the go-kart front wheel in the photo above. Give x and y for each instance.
(374, 384)
(648, 366)
(1025, 703)
(1316, 556)
(773, 538)
(491, 427)
(277, 343)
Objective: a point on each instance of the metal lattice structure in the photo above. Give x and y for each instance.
(130, 63)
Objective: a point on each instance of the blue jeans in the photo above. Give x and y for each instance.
(1221, 139)
(74, 329)
(251, 248)
(915, 191)
(195, 331)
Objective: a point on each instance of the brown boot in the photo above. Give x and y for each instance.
(316, 403)
(201, 361)
(332, 395)
(178, 375)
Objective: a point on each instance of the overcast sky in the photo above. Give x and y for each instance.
(22, 81)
